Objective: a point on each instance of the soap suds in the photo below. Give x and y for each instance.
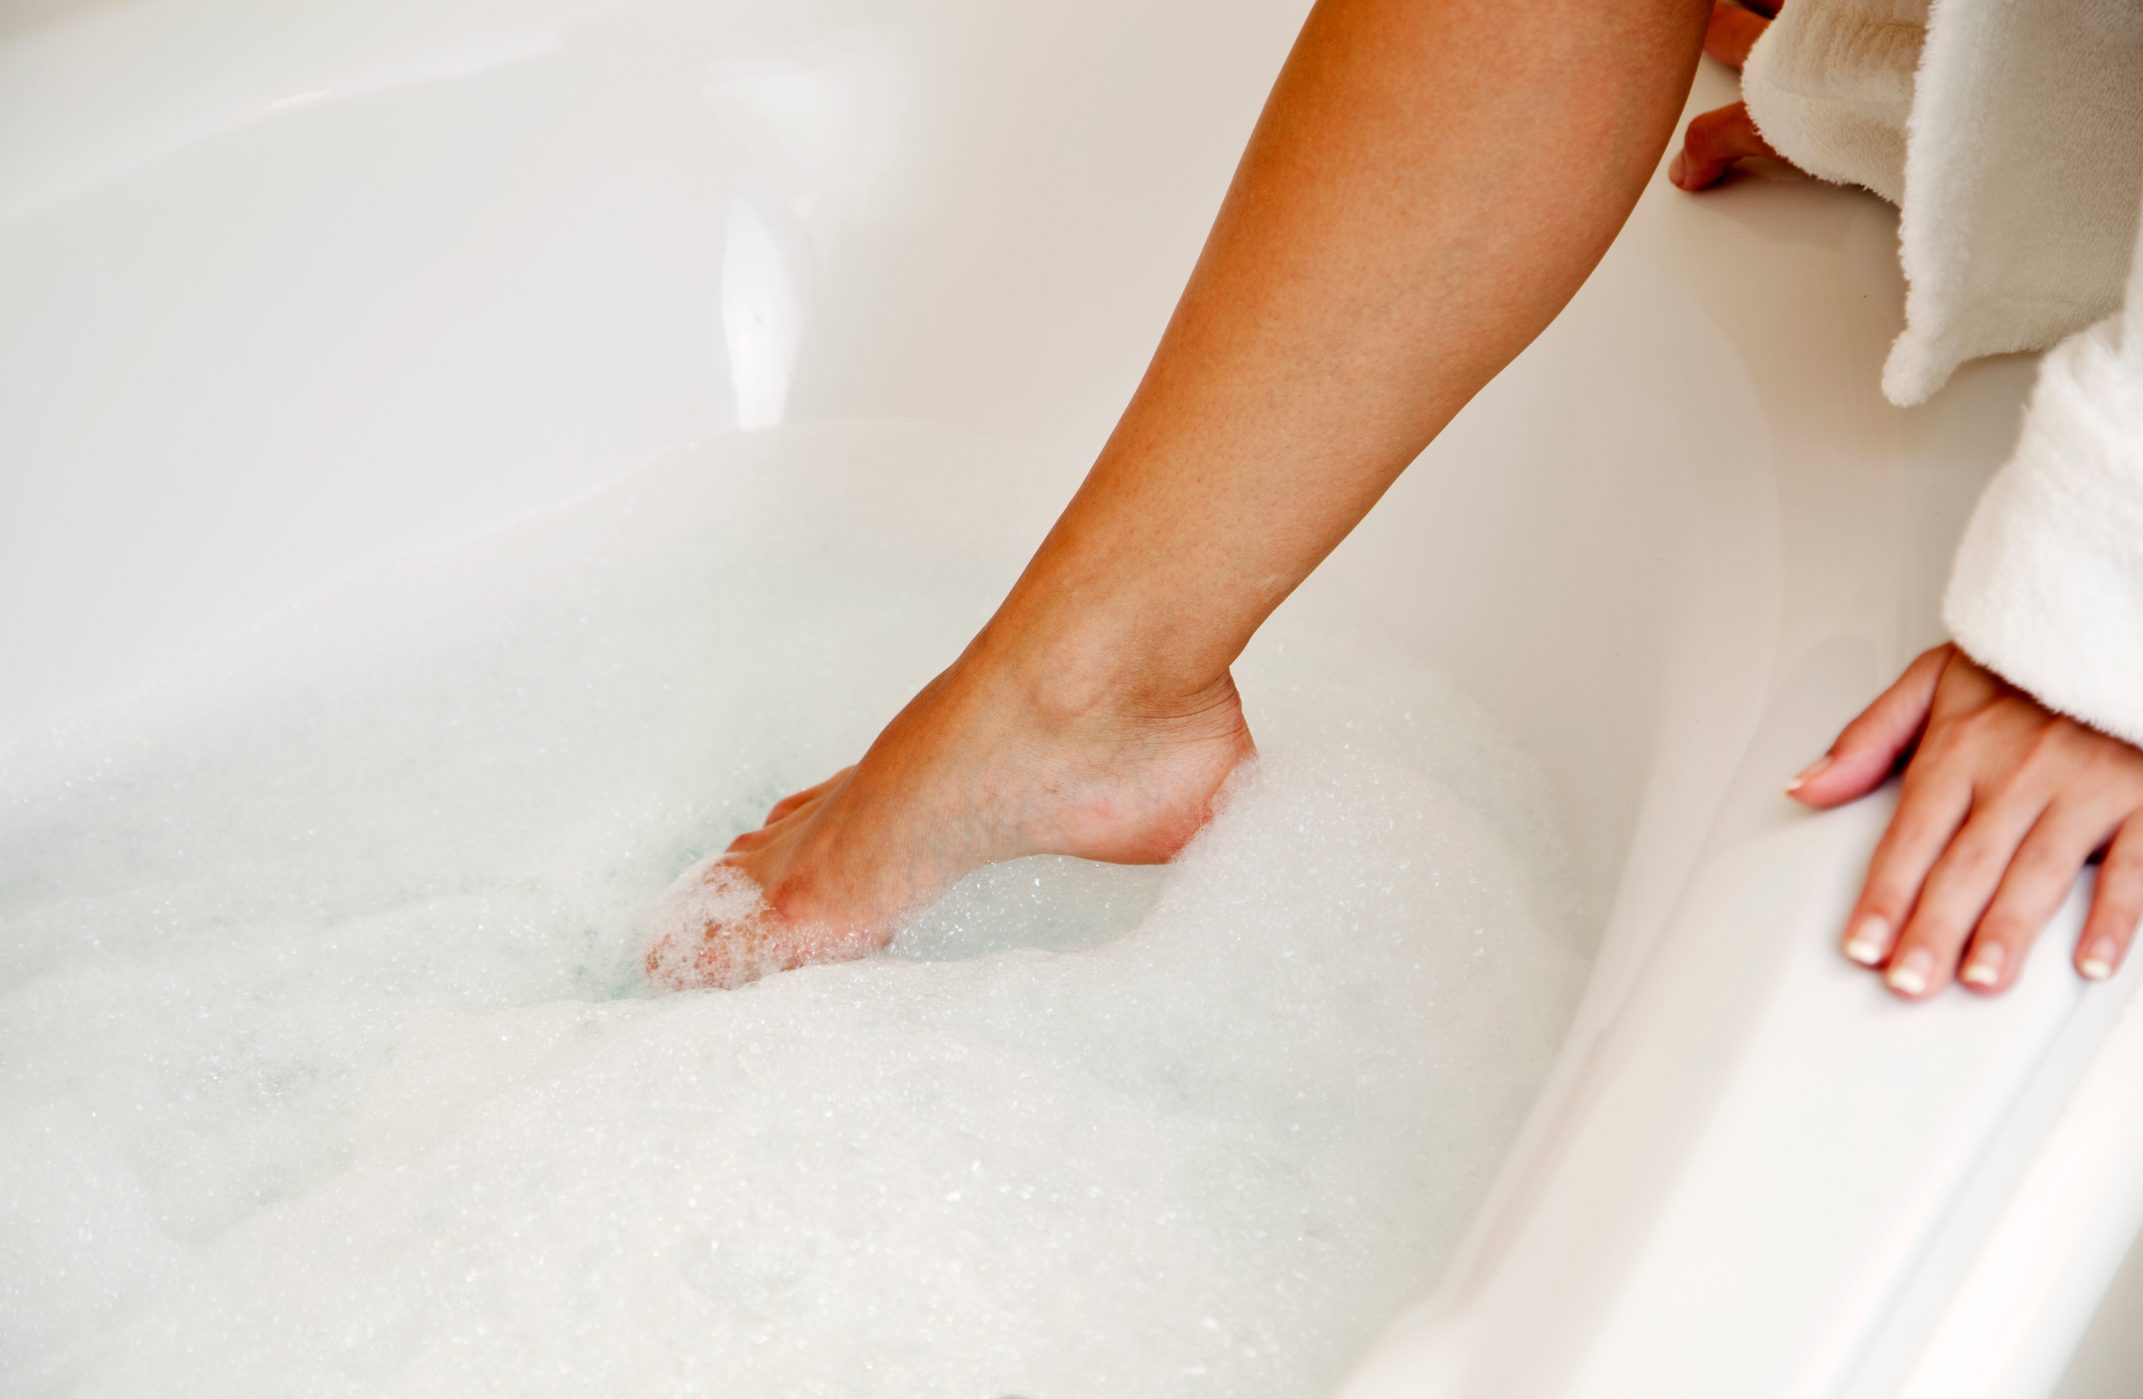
(328, 1064)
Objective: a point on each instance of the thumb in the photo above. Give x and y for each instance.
(1869, 747)
(1711, 145)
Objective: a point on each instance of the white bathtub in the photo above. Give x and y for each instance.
(283, 288)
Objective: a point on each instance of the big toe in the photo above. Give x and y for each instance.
(713, 928)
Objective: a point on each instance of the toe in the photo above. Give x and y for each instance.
(794, 800)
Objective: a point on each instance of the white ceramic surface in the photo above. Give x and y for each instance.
(284, 288)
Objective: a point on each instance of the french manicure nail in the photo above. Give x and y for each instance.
(1911, 973)
(1985, 968)
(1809, 773)
(1870, 940)
(2098, 958)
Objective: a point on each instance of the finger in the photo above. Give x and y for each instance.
(1732, 32)
(1868, 748)
(794, 800)
(1956, 892)
(1930, 808)
(2116, 907)
(2037, 880)
(1714, 141)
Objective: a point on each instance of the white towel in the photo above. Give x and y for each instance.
(2023, 166)
(2011, 134)
(2009, 131)
(1830, 87)
(2048, 586)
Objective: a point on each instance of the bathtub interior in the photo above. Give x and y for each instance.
(279, 292)
(289, 291)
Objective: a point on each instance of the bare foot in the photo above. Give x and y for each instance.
(977, 768)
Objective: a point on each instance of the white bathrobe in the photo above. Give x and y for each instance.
(2010, 133)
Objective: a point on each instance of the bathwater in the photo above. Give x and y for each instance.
(328, 1066)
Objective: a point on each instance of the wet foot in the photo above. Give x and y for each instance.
(977, 768)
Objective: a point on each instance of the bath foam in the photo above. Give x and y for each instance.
(327, 1064)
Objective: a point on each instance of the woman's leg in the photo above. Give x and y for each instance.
(1430, 181)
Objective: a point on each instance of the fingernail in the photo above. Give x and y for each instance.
(1985, 968)
(2098, 959)
(1870, 940)
(1676, 166)
(1911, 972)
(1809, 773)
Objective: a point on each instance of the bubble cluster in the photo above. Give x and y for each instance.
(329, 1063)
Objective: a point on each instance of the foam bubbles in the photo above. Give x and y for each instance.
(328, 1064)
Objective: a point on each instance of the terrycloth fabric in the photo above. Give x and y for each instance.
(2048, 586)
(2010, 132)
(2023, 165)
(1830, 87)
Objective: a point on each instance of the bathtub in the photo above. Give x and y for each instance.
(288, 288)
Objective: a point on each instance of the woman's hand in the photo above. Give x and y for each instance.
(2003, 801)
(1718, 138)
(2002, 805)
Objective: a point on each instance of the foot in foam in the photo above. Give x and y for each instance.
(976, 769)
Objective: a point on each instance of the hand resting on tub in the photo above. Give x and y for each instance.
(2002, 804)
(2003, 800)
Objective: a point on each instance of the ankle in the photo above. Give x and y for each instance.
(1079, 678)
